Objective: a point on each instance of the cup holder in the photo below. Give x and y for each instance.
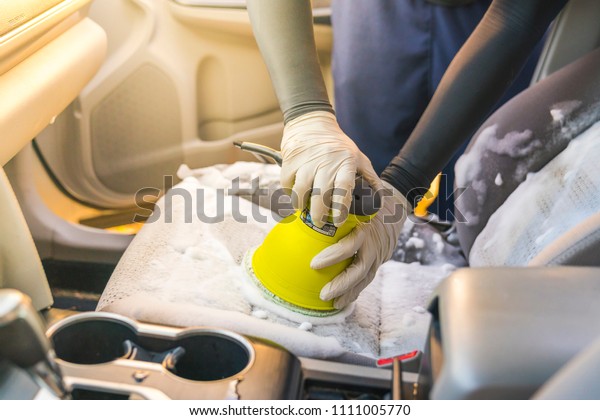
(194, 354)
(92, 341)
(210, 356)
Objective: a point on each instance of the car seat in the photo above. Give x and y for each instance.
(529, 192)
(556, 110)
(578, 248)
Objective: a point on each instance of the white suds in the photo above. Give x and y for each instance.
(543, 207)
(438, 242)
(305, 326)
(260, 314)
(448, 268)
(416, 243)
(498, 181)
(189, 274)
(562, 110)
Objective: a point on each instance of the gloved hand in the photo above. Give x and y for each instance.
(318, 156)
(372, 242)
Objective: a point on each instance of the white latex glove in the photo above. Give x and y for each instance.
(373, 243)
(318, 156)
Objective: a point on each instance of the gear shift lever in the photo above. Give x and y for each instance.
(23, 339)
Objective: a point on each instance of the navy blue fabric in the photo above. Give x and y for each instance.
(388, 58)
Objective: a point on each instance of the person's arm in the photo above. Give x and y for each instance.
(475, 80)
(284, 33)
(318, 158)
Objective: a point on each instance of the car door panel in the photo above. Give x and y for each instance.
(180, 84)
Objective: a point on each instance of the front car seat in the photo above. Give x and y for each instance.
(529, 180)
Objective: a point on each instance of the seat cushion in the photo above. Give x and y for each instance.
(551, 218)
(182, 271)
(521, 138)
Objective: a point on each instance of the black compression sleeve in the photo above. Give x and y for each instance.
(476, 79)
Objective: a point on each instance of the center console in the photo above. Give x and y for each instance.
(108, 356)
(495, 333)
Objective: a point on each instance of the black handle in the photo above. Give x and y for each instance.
(365, 201)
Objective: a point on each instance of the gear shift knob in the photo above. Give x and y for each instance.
(22, 331)
(23, 338)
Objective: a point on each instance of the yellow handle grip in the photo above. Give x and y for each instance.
(429, 197)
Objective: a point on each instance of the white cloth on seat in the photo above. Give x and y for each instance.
(182, 271)
(547, 217)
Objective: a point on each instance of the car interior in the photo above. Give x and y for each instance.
(104, 108)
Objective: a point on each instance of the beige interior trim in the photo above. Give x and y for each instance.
(42, 86)
(235, 22)
(18, 12)
(34, 24)
(20, 266)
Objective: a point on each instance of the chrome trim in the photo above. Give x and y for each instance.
(90, 316)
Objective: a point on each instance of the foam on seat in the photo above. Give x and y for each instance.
(183, 271)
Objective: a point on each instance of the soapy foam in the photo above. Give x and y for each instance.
(558, 197)
(498, 180)
(562, 110)
(257, 297)
(188, 274)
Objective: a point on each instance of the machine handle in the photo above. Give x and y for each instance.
(365, 201)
